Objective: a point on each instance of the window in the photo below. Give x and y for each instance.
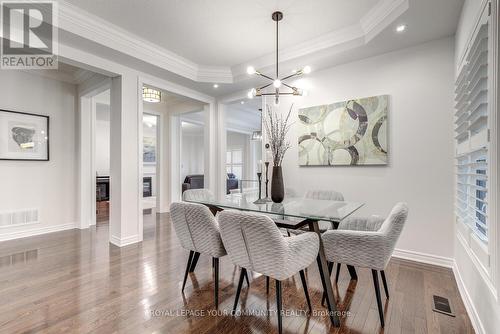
(471, 127)
(475, 115)
(234, 162)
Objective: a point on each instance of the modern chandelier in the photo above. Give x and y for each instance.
(277, 83)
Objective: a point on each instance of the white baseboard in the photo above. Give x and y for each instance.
(424, 258)
(121, 242)
(35, 231)
(469, 305)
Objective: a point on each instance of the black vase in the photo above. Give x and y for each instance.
(277, 187)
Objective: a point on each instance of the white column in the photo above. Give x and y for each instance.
(221, 150)
(86, 179)
(163, 172)
(125, 223)
(175, 157)
(211, 134)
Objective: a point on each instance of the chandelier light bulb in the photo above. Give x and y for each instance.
(250, 94)
(277, 83)
(307, 69)
(251, 70)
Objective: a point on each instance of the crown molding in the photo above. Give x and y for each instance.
(382, 15)
(93, 28)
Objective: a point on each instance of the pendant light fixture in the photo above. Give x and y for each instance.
(279, 87)
(151, 95)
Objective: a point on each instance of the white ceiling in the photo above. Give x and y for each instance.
(197, 43)
(226, 33)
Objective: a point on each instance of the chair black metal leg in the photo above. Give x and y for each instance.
(304, 285)
(278, 305)
(267, 284)
(377, 295)
(330, 269)
(352, 271)
(215, 262)
(384, 281)
(194, 262)
(240, 284)
(337, 273)
(246, 278)
(191, 253)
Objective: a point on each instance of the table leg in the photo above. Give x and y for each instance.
(325, 277)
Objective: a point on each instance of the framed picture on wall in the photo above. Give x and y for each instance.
(23, 136)
(149, 150)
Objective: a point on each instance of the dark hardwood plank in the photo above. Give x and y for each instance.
(75, 281)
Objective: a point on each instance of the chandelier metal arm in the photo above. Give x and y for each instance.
(291, 76)
(264, 87)
(274, 94)
(265, 76)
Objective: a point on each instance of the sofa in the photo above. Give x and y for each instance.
(196, 181)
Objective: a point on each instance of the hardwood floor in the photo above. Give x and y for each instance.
(76, 282)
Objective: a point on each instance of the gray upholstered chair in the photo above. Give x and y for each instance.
(329, 195)
(255, 243)
(198, 232)
(197, 194)
(372, 223)
(368, 249)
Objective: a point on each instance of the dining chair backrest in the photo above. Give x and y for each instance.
(196, 228)
(324, 195)
(198, 195)
(391, 230)
(253, 241)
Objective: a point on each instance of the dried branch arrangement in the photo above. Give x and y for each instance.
(277, 128)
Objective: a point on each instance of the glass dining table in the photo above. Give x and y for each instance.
(295, 213)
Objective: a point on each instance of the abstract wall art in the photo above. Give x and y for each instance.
(352, 132)
(23, 136)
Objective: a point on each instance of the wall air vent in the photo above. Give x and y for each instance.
(18, 217)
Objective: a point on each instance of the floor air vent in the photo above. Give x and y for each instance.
(20, 217)
(442, 305)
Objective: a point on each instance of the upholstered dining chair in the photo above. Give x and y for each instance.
(329, 195)
(198, 232)
(368, 249)
(255, 243)
(197, 194)
(371, 223)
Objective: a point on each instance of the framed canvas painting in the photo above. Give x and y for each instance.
(24, 136)
(149, 150)
(352, 132)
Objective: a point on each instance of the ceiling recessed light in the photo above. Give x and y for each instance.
(401, 28)
(216, 86)
(242, 102)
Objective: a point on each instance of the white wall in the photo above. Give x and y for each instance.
(419, 81)
(49, 186)
(102, 140)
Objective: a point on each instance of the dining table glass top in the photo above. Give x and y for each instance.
(297, 207)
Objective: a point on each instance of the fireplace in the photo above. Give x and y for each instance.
(147, 186)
